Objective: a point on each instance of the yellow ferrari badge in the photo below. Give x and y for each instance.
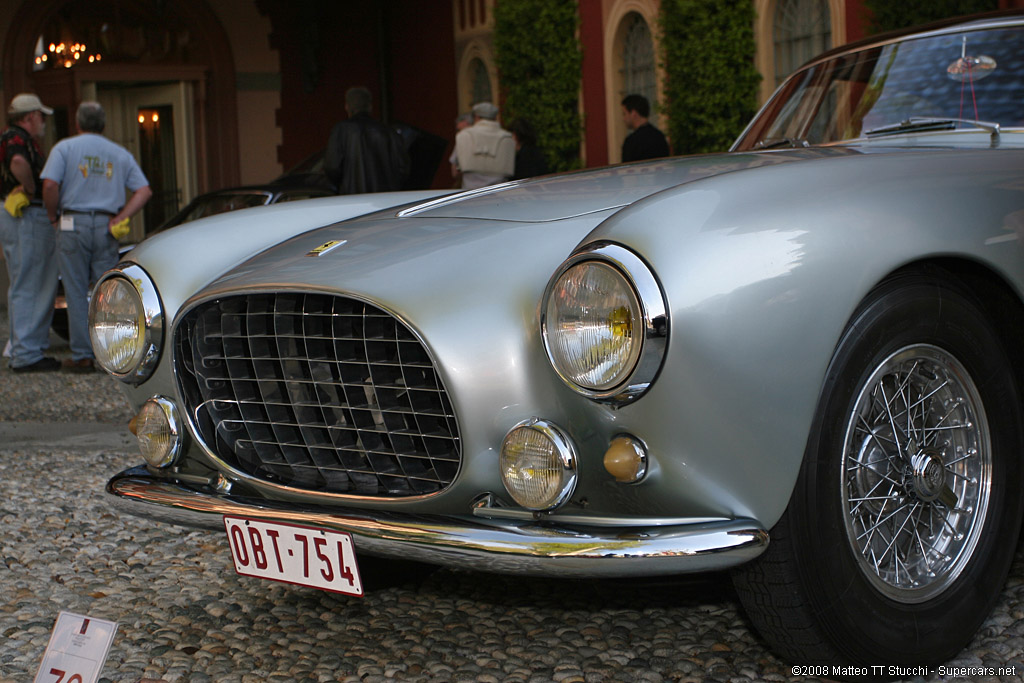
(326, 247)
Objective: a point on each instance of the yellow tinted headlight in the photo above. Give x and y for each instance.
(538, 465)
(117, 325)
(594, 326)
(126, 323)
(604, 322)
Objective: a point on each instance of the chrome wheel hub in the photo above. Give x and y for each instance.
(928, 479)
(916, 473)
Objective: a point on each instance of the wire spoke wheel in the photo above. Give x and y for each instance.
(916, 473)
(904, 519)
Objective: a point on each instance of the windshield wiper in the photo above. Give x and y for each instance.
(775, 143)
(925, 123)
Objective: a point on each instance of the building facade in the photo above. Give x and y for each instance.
(213, 93)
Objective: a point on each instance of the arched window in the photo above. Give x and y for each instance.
(638, 61)
(480, 82)
(801, 30)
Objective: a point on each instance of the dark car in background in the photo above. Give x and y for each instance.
(232, 199)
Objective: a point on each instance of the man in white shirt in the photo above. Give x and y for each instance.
(486, 152)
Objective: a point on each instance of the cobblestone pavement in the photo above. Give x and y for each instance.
(184, 615)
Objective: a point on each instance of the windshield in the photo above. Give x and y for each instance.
(222, 203)
(959, 78)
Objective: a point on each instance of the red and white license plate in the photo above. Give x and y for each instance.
(294, 554)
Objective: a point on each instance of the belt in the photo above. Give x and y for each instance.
(92, 213)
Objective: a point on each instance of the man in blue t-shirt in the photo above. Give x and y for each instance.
(84, 184)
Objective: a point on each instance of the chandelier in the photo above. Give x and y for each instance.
(66, 55)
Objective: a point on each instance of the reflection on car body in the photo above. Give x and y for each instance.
(794, 361)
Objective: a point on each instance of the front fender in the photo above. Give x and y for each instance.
(762, 271)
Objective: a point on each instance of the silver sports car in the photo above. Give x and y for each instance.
(798, 360)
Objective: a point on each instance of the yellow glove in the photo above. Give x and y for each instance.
(120, 229)
(16, 203)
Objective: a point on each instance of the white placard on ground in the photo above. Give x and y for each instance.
(77, 649)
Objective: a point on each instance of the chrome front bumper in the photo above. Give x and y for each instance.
(498, 545)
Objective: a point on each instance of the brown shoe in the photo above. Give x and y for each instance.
(81, 365)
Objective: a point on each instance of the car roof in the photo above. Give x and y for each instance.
(996, 19)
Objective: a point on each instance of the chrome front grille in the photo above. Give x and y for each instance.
(317, 392)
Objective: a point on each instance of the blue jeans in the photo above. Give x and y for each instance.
(33, 287)
(9, 243)
(84, 254)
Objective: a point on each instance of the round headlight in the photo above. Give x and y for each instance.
(158, 430)
(117, 325)
(604, 323)
(125, 324)
(594, 326)
(538, 465)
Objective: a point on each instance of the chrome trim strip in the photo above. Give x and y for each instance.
(454, 198)
(153, 311)
(512, 546)
(655, 320)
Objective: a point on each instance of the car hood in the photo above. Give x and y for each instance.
(569, 195)
(506, 235)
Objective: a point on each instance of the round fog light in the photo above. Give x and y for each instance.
(158, 430)
(626, 459)
(538, 465)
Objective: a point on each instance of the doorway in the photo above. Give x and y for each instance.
(155, 122)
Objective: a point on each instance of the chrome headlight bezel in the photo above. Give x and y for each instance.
(170, 426)
(562, 459)
(146, 355)
(635, 380)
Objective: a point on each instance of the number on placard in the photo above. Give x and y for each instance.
(75, 678)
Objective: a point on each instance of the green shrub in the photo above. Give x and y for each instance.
(711, 81)
(539, 60)
(886, 15)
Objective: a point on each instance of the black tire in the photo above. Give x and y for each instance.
(824, 592)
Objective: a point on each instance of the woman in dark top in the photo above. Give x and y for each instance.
(530, 159)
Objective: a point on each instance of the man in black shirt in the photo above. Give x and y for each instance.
(646, 141)
(363, 154)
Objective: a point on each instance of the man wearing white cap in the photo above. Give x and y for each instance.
(485, 151)
(28, 239)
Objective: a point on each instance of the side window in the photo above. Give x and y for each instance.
(638, 62)
(481, 82)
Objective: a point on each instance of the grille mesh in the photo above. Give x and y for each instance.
(317, 392)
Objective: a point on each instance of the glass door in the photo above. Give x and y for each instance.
(155, 123)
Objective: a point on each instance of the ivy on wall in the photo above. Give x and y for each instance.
(539, 58)
(711, 82)
(887, 15)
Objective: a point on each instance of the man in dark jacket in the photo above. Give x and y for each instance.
(646, 141)
(363, 154)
